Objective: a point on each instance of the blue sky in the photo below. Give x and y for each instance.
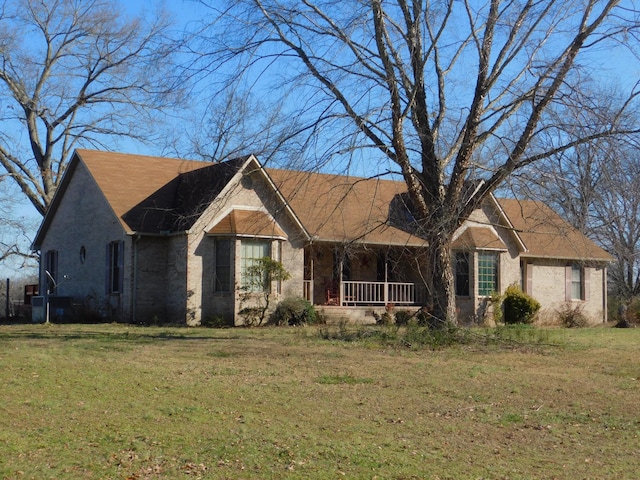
(614, 66)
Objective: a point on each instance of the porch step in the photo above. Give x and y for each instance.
(358, 315)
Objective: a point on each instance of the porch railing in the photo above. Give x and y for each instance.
(382, 293)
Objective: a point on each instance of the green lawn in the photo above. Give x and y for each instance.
(124, 402)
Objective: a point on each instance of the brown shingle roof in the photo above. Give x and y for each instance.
(478, 238)
(151, 194)
(247, 222)
(546, 235)
(154, 194)
(338, 208)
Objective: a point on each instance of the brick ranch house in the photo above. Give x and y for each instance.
(139, 239)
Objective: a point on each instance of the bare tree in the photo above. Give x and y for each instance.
(75, 73)
(236, 122)
(595, 187)
(597, 190)
(14, 230)
(445, 92)
(616, 224)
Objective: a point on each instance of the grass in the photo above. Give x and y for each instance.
(122, 402)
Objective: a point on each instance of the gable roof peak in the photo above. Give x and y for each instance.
(157, 194)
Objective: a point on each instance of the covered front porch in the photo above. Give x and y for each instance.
(363, 276)
(361, 293)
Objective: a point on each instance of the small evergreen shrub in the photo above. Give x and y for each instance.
(518, 306)
(424, 318)
(293, 311)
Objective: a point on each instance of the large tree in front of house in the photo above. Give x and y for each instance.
(75, 73)
(453, 95)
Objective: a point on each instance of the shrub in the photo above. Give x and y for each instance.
(214, 321)
(402, 317)
(518, 306)
(496, 302)
(256, 289)
(571, 316)
(293, 311)
(633, 311)
(385, 319)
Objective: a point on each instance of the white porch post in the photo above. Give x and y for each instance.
(312, 275)
(386, 283)
(340, 284)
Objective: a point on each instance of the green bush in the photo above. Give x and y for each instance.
(293, 311)
(518, 306)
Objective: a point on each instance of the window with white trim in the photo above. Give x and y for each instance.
(577, 292)
(487, 273)
(253, 250)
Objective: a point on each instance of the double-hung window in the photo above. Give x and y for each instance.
(251, 253)
(51, 270)
(487, 273)
(222, 282)
(115, 267)
(577, 282)
(462, 273)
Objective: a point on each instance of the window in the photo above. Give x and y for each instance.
(51, 270)
(252, 251)
(222, 282)
(576, 282)
(115, 264)
(577, 279)
(462, 274)
(487, 273)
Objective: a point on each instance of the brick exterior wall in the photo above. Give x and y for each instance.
(83, 219)
(159, 282)
(546, 280)
(174, 274)
(203, 303)
(548, 287)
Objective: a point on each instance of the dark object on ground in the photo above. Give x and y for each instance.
(622, 323)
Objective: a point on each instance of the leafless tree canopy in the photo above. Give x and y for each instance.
(445, 91)
(14, 230)
(236, 122)
(596, 188)
(595, 185)
(74, 72)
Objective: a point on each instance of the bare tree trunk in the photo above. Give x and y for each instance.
(455, 96)
(440, 282)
